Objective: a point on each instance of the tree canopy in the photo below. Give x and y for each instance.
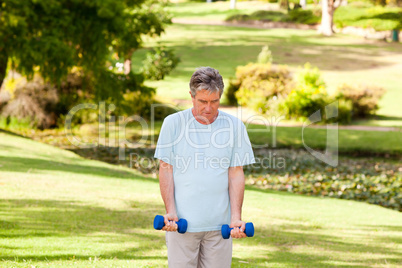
(52, 36)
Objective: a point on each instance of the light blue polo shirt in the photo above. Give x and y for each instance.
(200, 156)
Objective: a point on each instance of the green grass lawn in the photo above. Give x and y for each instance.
(216, 11)
(350, 141)
(341, 59)
(60, 210)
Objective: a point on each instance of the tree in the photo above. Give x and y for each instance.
(327, 19)
(52, 36)
(232, 4)
(284, 4)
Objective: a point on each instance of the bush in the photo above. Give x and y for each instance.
(265, 56)
(256, 84)
(35, 101)
(238, 17)
(159, 62)
(295, 16)
(309, 95)
(268, 15)
(303, 16)
(45, 105)
(364, 98)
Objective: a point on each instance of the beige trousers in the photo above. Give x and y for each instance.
(198, 250)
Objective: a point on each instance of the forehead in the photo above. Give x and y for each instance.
(207, 94)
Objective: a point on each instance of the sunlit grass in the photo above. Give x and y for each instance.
(341, 59)
(60, 210)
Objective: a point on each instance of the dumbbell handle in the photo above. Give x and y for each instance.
(249, 230)
(159, 223)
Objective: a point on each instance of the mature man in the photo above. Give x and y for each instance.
(202, 152)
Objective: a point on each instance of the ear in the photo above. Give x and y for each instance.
(190, 94)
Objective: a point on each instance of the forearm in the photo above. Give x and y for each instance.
(236, 192)
(166, 184)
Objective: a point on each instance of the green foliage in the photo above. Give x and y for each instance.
(238, 17)
(363, 98)
(257, 84)
(268, 15)
(265, 56)
(15, 123)
(267, 89)
(303, 16)
(160, 61)
(373, 181)
(308, 96)
(310, 77)
(294, 15)
(53, 36)
(377, 17)
(46, 105)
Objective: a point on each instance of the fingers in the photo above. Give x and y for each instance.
(171, 226)
(238, 229)
(237, 233)
(170, 223)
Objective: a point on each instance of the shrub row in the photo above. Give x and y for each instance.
(358, 14)
(268, 88)
(367, 16)
(370, 180)
(295, 16)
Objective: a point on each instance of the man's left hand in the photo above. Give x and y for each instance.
(238, 229)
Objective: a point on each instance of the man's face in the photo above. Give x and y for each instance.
(205, 106)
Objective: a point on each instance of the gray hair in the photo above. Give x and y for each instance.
(206, 78)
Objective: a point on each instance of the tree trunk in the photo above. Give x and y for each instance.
(3, 65)
(284, 4)
(327, 19)
(127, 63)
(232, 4)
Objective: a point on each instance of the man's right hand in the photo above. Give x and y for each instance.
(170, 222)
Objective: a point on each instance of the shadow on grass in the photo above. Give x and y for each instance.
(30, 220)
(292, 48)
(23, 165)
(386, 118)
(11, 133)
(34, 220)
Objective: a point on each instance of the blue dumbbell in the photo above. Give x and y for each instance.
(159, 222)
(249, 231)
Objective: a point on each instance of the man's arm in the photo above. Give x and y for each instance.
(236, 195)
(166, 185)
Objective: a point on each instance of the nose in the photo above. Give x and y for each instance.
(208, 108)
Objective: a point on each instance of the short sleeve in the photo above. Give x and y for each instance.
(242, 153)
(164, 146)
